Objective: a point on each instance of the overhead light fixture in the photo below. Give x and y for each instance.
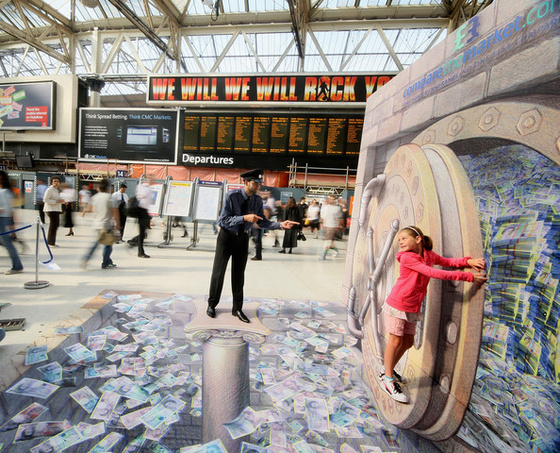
(214, 6)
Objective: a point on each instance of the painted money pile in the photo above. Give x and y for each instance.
(135, 385)
(517, 191)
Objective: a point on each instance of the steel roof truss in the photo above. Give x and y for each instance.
(392, 52)
(194, 55)
(135, 52)
(320, 50)
(80, 47)
(225, 50)
(356, 48)
(284, 55)
(22, 36)
(115, 49)
(250, 45)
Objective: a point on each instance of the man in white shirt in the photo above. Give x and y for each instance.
(106, 217)
(121, 199)
(53, 208)
(331, 221)
(144, 194)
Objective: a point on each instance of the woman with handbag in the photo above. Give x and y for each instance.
(291, 212)
(106, 220)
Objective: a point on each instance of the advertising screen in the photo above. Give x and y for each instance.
(27, 106)
(129, 135)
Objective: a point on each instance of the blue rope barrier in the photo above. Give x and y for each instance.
(48, 248)
(16, 230)
(51, 257)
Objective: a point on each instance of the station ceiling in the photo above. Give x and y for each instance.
(121, 41)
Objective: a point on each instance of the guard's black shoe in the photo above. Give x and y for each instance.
(240, 315)
(211, 312)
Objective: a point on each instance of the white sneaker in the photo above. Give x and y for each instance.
(392, 388)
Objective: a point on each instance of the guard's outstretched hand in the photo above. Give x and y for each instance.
(253, 218)
(288, 224)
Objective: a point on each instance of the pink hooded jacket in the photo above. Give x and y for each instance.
(415, 274)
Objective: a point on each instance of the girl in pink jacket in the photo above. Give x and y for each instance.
(402, 307)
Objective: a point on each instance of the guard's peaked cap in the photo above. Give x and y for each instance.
(253, 175)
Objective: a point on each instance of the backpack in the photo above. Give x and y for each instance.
(132, 208)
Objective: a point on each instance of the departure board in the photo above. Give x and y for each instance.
(332, 134)
(317, 133)
(297, 135)
(261, 134)
(208, 133)
(243, 134)
(354, 136)
(192, 132)
(224, 137)
(336, 136)
(279, 129)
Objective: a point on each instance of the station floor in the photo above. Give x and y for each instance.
(172, 268)
(291, 289)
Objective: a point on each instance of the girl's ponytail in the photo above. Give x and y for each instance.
(427, 243)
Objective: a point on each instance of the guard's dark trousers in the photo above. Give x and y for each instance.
(235, 246)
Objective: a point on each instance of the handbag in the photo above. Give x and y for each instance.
(106, 237)
(301, 236)
(132, 208)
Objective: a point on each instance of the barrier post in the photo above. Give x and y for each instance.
(37, 284)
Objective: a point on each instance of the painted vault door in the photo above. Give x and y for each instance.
(424, 186)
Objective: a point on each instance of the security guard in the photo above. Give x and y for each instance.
(242, 208)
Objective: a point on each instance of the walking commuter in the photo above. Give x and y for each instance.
(106, 218)
(121, 199)
(144, 194)
(6, 221)
(53, 208)
(331, 221)
(85, 197)
(39, 194)
(314, 217)
(67, 194)
(291, 212)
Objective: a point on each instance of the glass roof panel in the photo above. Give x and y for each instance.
(268, 5)
(256, 50)
(234, 6)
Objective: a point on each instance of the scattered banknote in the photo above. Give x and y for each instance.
(162, 411)
(27, 415)
(79, 353)
(86, 398)
(36, 354)
(52, 372)
(29, 431)
(33, 387)
(105, 406)
(244, 424)
(107, 443)
(316, 413)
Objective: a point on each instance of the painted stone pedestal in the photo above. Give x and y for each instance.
(225, 367)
